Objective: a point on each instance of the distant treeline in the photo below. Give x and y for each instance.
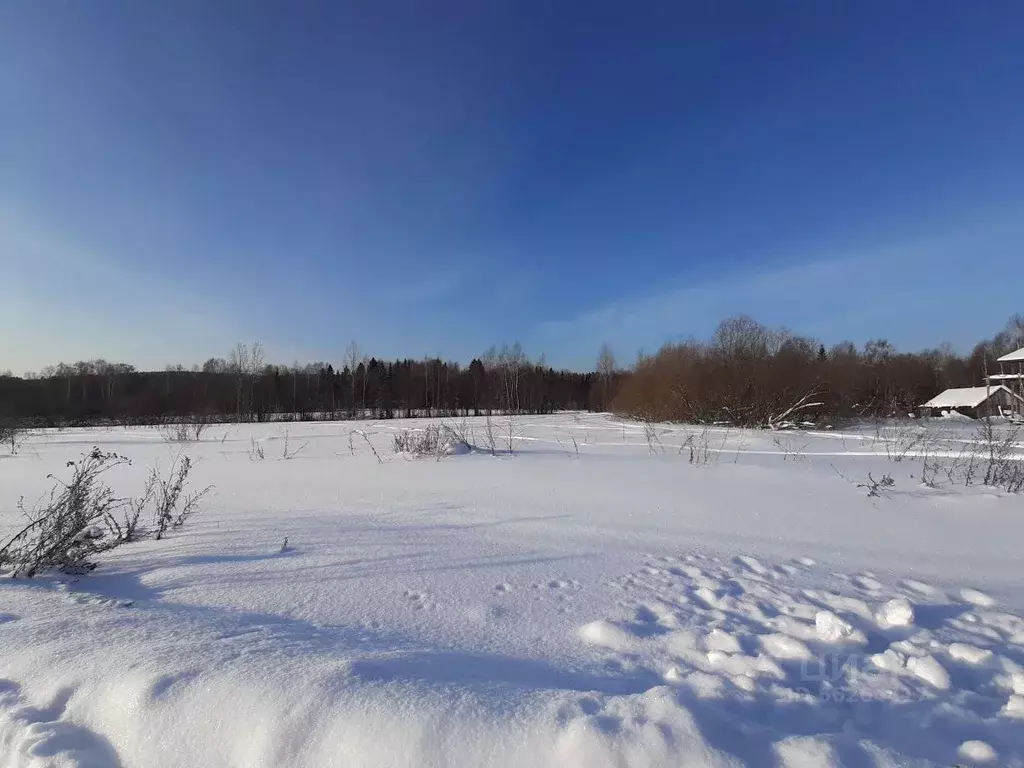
(245, 388)
(746, 374)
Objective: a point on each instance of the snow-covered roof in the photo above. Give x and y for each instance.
(963, 397)
(1013, 357)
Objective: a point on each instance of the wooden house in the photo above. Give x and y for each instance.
(976, 402)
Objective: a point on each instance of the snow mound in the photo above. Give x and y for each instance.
(898, 612)
(831, 628)
(785, 647)
(458, 448)
(607, 635)
(889, 660)
(929, 670)
(1014, 707)
(976, 597)
(969, 654)
(803, 751)
(720, 640)
(431, 441)
(956, 416)
(977, 752)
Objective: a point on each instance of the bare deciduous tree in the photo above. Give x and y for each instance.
(605, 369)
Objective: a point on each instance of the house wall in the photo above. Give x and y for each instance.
(999, 399)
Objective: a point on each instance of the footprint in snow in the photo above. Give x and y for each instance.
(417, 600)
(558, 584)
(42, 732)
(163, 685)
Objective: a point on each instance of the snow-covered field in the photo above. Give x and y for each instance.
(584, 602)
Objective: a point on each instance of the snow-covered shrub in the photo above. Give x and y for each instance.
(188, 430)
(289, 451)
(699, 446)
(171, 507)
(790, 450)
(12, 436)
(256, 451)
(434, 441)
(651, 436)
(489, 436)
(1004, 466)
(877, 487)
(369, 442)
(82, 517)
(901, 438)
(990, 457)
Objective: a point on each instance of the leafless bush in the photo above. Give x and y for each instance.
(173, 508)
(82, 518)
(900, 439)
(366, 437)
(565, 448)
(699, 446)
(930, 466)
(991, 457)
(1004, 466)
(434, 440)
(256, 450)
(188, 430)
(12, 436)
(73, 526)
(289, 451)
(418, 443)
(489, 434)
(877, 487)
(741, 446)
(654, 444)
(462, 431)
(790, 451)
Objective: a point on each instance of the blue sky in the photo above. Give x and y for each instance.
(433, 178)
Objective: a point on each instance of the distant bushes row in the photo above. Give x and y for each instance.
(746, 374)
(751, 375)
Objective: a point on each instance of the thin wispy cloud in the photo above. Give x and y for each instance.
(65, 301)
(858, 294)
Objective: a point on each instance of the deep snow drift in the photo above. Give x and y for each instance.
(584, 602)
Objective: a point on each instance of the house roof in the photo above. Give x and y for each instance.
(1013, 357)
(963, 397)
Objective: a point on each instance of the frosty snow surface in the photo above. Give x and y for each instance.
(594, 599)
